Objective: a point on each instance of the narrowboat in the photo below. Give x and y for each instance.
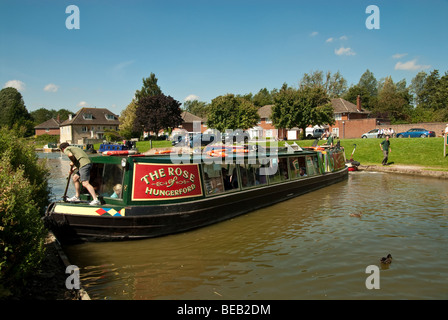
(145, 196)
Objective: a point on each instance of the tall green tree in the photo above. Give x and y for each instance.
(127, 118)
(393, 102)
(158, 112)
(196, 107)
(308, 105)
(232, 112)
(263, 98)
(42, 114)
(417, 86)
(334, 85)
(13, 111)
(149, 88)
(367, 100)
(369, 82)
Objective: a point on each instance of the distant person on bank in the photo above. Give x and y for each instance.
(80, 166)
(385, 147)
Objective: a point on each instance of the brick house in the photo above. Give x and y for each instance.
(351, 120)
(265, 128)
(50, 127)
(88, 126)
(189, 119)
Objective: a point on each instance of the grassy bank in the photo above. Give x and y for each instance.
(409, 151)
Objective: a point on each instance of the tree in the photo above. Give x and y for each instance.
(309, 105)
(198, 108)
(367, 100)
(149, 88)
(417, 86)
(41, 115)
(13, 111)
(369, 82)
(232, 112)
(158, 112)
(393, 103)
(127, 118)
(334, 84)
(263, 98)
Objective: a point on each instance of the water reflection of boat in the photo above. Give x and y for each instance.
(148, 196)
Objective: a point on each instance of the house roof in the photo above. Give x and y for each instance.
(343, 106)
(97, 116)
(49, 124)
(339, 105)
(189, 117)
(265, 111)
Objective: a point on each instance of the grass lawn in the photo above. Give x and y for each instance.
(426, 152)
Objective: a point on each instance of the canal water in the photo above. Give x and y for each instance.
(316, 246)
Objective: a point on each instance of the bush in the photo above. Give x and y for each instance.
(24, 195)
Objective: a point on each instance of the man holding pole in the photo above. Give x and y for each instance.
(80, 166)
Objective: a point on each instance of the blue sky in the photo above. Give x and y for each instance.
(204, 49)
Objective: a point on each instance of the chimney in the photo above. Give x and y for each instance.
(358, 103)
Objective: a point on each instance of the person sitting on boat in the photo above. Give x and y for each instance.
(330, 140)
(302, 172)
(80, 167)
(117, 191)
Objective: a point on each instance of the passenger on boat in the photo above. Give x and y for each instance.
(80, 167)
(302, 172)
(117, 191)
(330, 140)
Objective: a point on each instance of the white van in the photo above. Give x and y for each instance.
(314, 133)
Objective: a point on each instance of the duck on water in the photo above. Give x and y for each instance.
(168, 193)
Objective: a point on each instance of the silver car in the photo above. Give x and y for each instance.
(371, 134)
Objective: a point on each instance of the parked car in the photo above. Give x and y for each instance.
(371, 134)
(193, 139)
(314, 133)
(237, 136)
(416, 133)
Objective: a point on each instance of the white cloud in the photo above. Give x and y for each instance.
(329, 40)
(83, 104)
(123, 65)
(344, 52)
(313, 34)
(51, 87)
(191, 97)
(19, 85)
(399, 55)
(343, 38)
(410, 65)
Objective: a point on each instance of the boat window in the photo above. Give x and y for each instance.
(230, 176)
(250, 175)
(281, 173)
(213, 178)
(107, 180)
(297, 167)
(312, 165)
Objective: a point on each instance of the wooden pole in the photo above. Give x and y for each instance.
(445, 142)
